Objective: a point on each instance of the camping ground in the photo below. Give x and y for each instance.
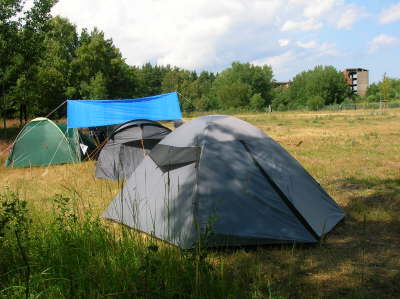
(354, 155)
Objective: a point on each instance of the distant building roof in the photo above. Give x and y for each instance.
(356, 70)
(285, 84)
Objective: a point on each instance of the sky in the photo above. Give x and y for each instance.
(289, 35)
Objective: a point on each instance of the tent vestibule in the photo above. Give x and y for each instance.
(126, 147)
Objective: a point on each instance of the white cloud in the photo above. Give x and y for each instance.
(319, 49)
(186, 34)
(328, 49)
(390, 14)
(314, 8)
(298, 59)
(336, 12)
(349, 16)
(278, 61)
(305, 25)
(319, 8)
(206, 34)
(307, 45)
(283, 42)
(382, 41)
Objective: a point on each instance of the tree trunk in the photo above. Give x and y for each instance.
(4, 109)
(20, 115)
(4, 115)
(25, 112)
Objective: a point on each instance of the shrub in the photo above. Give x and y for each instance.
(315, 102)
(257, 103)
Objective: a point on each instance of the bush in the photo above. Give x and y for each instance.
(348, 100)
(257, 103)
(201, 104)
(373, 98)
(315, 102)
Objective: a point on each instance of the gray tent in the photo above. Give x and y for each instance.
(126, 148)
(221, 174)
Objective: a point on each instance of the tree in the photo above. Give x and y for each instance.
(54, 68)
(204, 101)
(385, 86)
(245, 78)
(173, 80)
(388, 88)
(9, 26)
(257, 102)
(394, 89)
(96, 55)
(193, 88)
(325, 82)
(281, 98)
(234, 95)
(315, 102)
(152, 78)
(21, 36)
(96, 89)
(373, 93)
(31, 48)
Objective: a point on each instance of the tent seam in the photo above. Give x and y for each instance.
(283, 196)
(196, 192)
(66, 139)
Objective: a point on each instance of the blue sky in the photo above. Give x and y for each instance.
(290, 35)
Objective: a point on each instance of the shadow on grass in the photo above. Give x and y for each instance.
(372, 232)
(370, 253)
(373, 199)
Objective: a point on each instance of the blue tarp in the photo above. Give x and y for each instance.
(96, 113)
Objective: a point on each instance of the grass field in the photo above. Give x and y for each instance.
(355, 156)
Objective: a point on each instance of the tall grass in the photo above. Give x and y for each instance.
(78, 257)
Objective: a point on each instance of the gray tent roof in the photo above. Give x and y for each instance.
(221, 172)
(127, 146)
(139, 130)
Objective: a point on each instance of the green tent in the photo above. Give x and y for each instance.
(43, 142)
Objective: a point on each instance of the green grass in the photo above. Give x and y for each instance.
(79, 257)
(355, 155)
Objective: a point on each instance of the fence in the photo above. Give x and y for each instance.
(359, 106)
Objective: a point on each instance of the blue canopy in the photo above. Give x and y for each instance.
(95, 113)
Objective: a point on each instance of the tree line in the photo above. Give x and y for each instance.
(44, 61)
(388, 89)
